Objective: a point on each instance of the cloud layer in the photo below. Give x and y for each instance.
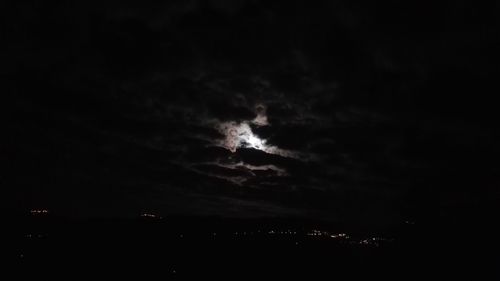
(245, 108)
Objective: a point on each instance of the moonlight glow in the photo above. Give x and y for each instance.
(240, 135)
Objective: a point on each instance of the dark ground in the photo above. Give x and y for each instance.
(185, 248)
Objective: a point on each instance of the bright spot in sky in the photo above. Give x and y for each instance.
(254, 142)
(240, 135)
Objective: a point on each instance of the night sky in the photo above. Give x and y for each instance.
(347, 111)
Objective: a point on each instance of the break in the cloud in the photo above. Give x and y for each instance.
(240, 135)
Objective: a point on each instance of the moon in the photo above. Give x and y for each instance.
(254, 142)
(240, 135)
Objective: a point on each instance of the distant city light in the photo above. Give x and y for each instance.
(340, 236)
(150, 215)
(39, 211)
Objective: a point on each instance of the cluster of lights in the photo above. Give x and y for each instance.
(344, 237)
(148, 215)
(39, 211)
(34, 236)
(243, 233)
(286, 232)
(340, 236)
(270, 232)
(374, 241)
(318, 233)
(314, 233)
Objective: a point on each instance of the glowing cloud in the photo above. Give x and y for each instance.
(261, 119)
(240, 135)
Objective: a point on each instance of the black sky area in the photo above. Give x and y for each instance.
(376, 112)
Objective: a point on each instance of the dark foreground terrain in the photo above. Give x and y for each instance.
(214, 249)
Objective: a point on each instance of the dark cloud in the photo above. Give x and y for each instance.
(119, 105)
(222, 171)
